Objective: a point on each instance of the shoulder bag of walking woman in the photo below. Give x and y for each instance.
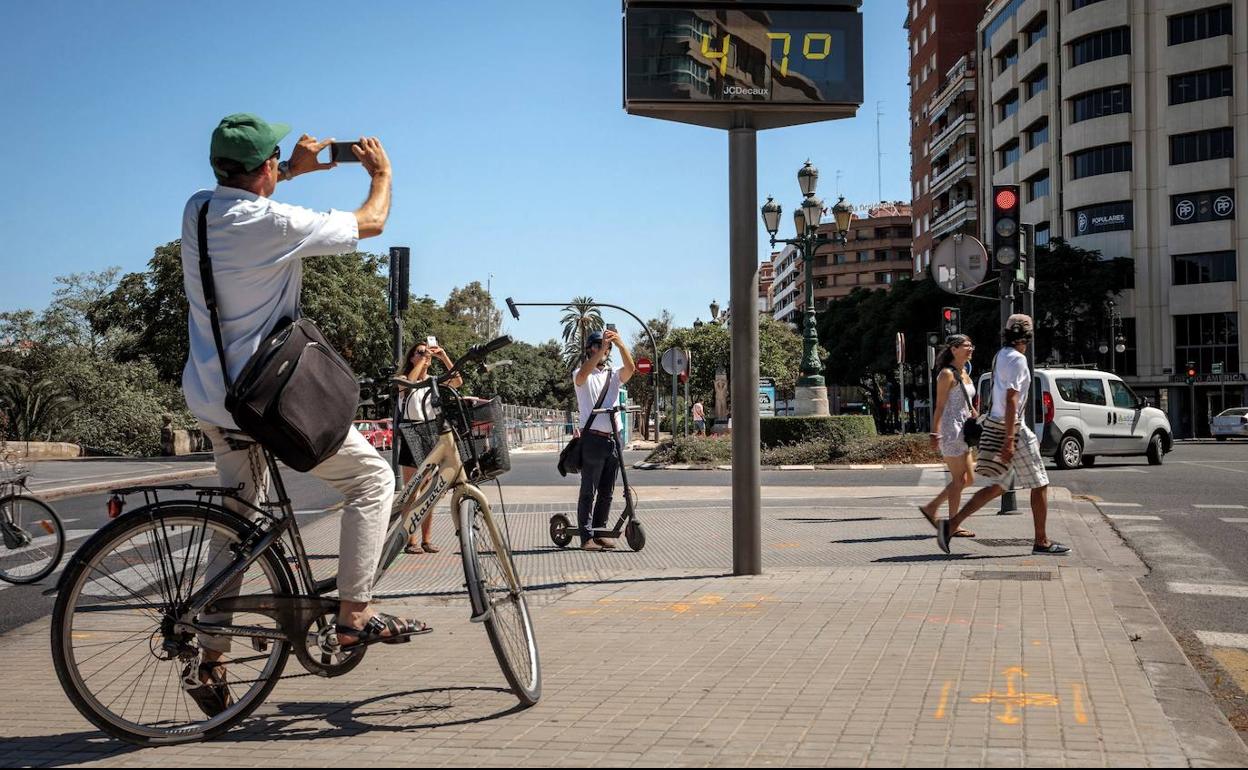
(972, 428)
(296, 396)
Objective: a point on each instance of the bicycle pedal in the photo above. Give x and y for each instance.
(260, 645)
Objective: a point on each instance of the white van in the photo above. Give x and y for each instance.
(1082, 414)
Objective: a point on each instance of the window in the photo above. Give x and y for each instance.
(884, 278)
(1042, 234)
(1038, 81)
(1038, 134)
(1196, 86)
(1101, 102)
(1202, 145)
(1103, 218)
(1092, 392)
(1207, 339)
(1008, 57)
(1109, 159)
(862, 256)
(1198, 25)
(1007, 106)
(1209, 206)
(1036, 31)
(881, 256)
(1008, 155)
(1100, 45)
(1068, 390)
(1077, 4)
(1123, 397)
(840, 258)
(1209, 267)
(1038, 187)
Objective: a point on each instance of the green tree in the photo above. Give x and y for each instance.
(473, 307)
(640, 388)
(33, 409)
(535, 378)
(149, 310)
(580, 318)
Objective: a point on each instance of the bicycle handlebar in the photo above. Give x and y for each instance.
(475, 353)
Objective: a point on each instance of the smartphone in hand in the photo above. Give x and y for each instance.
(431, 341)
(340, 152)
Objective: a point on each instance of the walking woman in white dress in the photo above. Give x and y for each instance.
(954, 406)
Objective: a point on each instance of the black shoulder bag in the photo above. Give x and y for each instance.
(296, 396)
(570, 457)
(972, 429)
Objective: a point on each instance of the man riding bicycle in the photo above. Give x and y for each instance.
(256, 246)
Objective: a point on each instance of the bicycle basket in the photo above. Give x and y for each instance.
(487, 433)
(420, 438)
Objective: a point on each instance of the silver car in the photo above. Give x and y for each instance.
(1233, 423)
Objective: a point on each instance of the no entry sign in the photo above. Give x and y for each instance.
(644, 366)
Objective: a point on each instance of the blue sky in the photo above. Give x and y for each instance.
(512, 152)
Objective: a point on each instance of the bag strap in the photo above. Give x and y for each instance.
(957, 375)
(210, 289)
(601, 397)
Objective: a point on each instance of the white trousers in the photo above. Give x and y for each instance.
(359, 473)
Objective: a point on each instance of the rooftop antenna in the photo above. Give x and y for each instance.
(879, 152)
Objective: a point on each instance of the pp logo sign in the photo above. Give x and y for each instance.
(1224, 206)
(1083, 222)
(1185, 210)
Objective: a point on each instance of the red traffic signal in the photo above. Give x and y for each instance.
(1007, 198)
(644, 366)
(683, 377)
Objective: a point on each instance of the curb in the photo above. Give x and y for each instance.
(682, 467)
(58, 493)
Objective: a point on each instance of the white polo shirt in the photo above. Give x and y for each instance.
(255, 245)
(587, 396)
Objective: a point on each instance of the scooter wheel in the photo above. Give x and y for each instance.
(560, 530)
(635, 535)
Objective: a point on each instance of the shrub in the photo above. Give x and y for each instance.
(805, 453)
(837, 430)
(695, 450)
(891, 450)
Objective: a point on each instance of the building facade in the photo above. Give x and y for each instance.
(1125, 122)
(943, 121)
(876, 255)
(766, 277)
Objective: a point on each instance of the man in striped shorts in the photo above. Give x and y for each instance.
(1016, 456)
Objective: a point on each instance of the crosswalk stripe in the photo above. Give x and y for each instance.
(1132, 517)
(1222, 639)
(1233, 520)
(1220, 507)
(1209, 589)
(1104, 504)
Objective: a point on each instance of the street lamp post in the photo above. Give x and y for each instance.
(812, 397)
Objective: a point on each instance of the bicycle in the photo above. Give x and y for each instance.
(32, 539)
(147, 594)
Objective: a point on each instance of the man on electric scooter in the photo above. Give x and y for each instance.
(599, 459)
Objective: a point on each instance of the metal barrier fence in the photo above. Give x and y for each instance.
(527, 425)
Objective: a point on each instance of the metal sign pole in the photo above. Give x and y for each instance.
(400, 265)
(1009, 501)
(747, 522)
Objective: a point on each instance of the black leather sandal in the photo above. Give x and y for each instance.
(374, 631)
(208, 688)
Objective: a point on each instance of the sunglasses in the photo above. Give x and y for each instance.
(420, 354)
(277, 153)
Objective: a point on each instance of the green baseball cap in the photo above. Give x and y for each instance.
(245, 138)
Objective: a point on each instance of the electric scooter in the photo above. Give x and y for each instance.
(562, 528)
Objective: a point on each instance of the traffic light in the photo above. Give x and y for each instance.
(1006, 228)
(951, 321)
(1191, 372)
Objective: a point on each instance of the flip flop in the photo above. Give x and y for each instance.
(930, 519)
(413, 549)
(963, 533)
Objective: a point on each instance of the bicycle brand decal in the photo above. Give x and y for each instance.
(429, 489)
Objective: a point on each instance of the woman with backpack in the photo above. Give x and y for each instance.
(955, 405)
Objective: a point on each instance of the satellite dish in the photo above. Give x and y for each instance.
(960, 263)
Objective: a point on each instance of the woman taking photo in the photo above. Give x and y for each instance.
(954, 406)
(414, 407)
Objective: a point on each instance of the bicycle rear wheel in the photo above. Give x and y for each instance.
(32, 539)
(115, 647)
(494, 588)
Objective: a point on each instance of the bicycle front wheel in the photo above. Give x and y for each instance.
(32, 539)
(494, 588)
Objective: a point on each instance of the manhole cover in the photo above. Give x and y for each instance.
(1005, 575)
(1003, 542)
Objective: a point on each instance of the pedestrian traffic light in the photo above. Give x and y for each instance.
(1191, 372)
(933, 339)
(1006, 229)
(951, 321)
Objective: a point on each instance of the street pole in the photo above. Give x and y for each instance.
(688, 416)
(901, 400)
(747, 527)
(1009, 502)
(674, 411)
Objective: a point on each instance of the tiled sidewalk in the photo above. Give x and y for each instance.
(861, 645)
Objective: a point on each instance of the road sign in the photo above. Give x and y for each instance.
(766, 397)
(1217, 369)
(960, 263)
(674, 361)
(644, 366)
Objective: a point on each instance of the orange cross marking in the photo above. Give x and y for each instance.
(1012, 699)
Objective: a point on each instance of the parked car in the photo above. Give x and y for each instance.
(1233, 423)
(378, 432)
(1082, 414)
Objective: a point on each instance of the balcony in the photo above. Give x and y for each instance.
(956, 171)
(953, 217)
(961, 126)
(960, 79)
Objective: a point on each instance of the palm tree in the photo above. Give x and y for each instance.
(32, 410)
(580, 318)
